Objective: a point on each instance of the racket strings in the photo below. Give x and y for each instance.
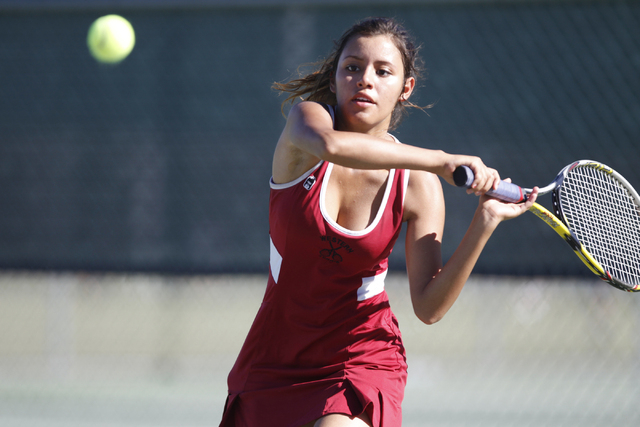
(605, 218)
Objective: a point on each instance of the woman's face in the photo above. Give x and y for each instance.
(368, 83)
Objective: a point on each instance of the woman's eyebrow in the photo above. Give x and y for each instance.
(359, 58)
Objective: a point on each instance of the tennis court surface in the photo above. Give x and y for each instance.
(136, 350)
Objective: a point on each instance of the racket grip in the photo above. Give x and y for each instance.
(507, 192)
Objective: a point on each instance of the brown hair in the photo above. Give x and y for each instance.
(317, 83)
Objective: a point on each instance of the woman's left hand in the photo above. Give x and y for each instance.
(500, 211)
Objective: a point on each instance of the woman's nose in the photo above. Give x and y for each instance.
(365, 79)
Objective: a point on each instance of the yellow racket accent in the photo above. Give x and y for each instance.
(562, 230)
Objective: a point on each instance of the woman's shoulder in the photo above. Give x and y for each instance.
(424, 191)
(294, 153)
(424, 182)
(311, 107)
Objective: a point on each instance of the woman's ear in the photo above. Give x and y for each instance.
(407, 89)
(332, 82)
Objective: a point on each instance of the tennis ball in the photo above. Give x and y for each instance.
(111, 38)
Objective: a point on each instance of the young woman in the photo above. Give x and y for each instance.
(325, 349)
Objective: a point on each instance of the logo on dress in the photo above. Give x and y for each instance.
(309, 182)
(335, 244)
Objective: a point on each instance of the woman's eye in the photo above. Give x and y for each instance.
(383, 72)
(351, 68)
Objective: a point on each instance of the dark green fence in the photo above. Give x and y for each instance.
(162, 162)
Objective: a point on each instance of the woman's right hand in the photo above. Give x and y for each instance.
(485, 178)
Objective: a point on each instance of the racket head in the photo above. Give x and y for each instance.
(602, 211)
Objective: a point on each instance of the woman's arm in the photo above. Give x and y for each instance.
(434, 288)
(309, 137)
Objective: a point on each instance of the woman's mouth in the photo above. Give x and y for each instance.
(363, 100)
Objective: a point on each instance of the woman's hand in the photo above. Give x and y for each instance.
(496, 211)
(485, 178)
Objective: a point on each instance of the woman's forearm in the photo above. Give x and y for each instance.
(440, 293)
(361, 151)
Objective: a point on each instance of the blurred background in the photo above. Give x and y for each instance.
(134, 202)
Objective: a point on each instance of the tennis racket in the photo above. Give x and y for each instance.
(596, 211)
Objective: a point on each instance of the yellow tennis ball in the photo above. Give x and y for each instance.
(111, 39)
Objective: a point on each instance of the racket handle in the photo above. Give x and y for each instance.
(507, 192)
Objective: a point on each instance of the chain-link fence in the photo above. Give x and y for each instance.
(162, 162)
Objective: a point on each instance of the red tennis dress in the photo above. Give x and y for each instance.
(324, 339)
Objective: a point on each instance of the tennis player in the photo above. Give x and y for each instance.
(325, 349)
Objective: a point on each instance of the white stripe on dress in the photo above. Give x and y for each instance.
(275, 260)
(371, 286)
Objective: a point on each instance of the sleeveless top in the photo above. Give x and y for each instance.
(324, 339)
